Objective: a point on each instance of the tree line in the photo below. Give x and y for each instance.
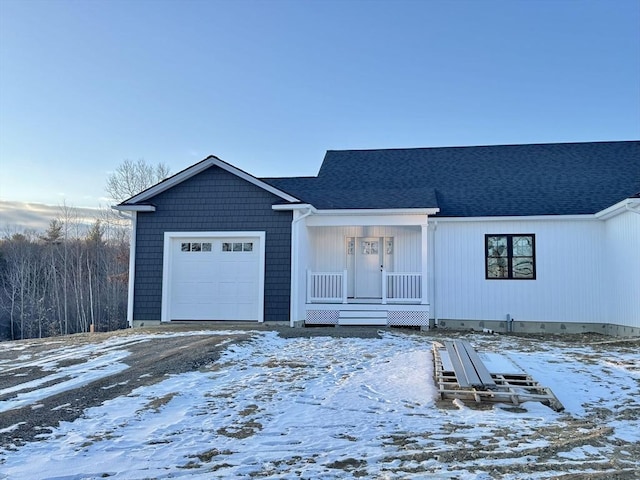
(73, 277)
(68, 280)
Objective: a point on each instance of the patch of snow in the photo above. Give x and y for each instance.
(79, 375)
(325, 408)
(11, 428)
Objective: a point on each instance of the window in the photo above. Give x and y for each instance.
(510, 257)
(351, 246)
(237, 246)
(195, 246)
(370, 247)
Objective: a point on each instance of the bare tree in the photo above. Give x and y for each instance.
(64, 279)
(131, 178)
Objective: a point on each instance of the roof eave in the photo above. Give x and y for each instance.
(134, 208)
(632, 204)
(379, 211)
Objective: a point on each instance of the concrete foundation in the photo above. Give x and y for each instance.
(517, 326)
(146, 323)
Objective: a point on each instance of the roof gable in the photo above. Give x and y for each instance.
(193, 170)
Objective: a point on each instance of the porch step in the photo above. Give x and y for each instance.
(363, 317)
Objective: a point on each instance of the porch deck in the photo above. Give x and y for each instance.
(400, 304)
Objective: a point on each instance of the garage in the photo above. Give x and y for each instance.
(214, 276)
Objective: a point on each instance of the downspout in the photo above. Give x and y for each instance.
(295, 285)
(434, 302)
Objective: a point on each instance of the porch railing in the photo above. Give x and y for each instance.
(326, 287)
(401, 287)
(331, 287)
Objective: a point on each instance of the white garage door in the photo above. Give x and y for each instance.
(215, 278)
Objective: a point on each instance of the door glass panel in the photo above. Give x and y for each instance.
(389, 246)
(350, 246)
(370, 247)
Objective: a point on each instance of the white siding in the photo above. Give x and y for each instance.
(328, 246)
(622, 247)
(569, 269)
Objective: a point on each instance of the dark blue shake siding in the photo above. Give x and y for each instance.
(213, 200)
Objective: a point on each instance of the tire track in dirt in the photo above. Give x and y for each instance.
(149, 362)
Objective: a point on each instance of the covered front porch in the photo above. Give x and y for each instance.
(360, 268)
(400, 304)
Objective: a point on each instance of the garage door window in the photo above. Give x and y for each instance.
(195, 246)
(237, 246)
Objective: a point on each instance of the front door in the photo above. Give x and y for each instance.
(369, 262)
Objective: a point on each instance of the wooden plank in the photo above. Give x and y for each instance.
(481, 369)
(472, 376)
(461, 376)
(514, 388)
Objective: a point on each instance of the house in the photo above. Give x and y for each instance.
(530, 238)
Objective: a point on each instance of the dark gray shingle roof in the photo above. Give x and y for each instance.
(535, 179)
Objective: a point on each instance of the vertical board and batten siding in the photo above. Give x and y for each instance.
(328, 246)
(622, 250)
(213, 200)
(570, 281)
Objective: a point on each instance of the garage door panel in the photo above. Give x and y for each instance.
(219, 283)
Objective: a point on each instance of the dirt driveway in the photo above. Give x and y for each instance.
(150, 361)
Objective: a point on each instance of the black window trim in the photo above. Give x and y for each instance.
(509, 255)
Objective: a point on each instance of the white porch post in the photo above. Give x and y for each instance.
(424, 261)
(384, 286)
(344, 286)
(298, 265)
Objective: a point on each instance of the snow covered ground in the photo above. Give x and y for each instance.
(326, 408)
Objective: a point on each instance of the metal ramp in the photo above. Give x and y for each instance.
(461, 373)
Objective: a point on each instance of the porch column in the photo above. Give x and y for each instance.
(298, 266)
(424, 256)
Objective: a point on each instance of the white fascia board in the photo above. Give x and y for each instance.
(199, 167)
(563, 218)
(618, 208)
(134, 208)
(171, 181)
(297, 206)
(396, 218)
(359, 211)
(381, 211)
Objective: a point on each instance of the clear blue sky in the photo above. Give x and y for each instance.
(270, 85)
